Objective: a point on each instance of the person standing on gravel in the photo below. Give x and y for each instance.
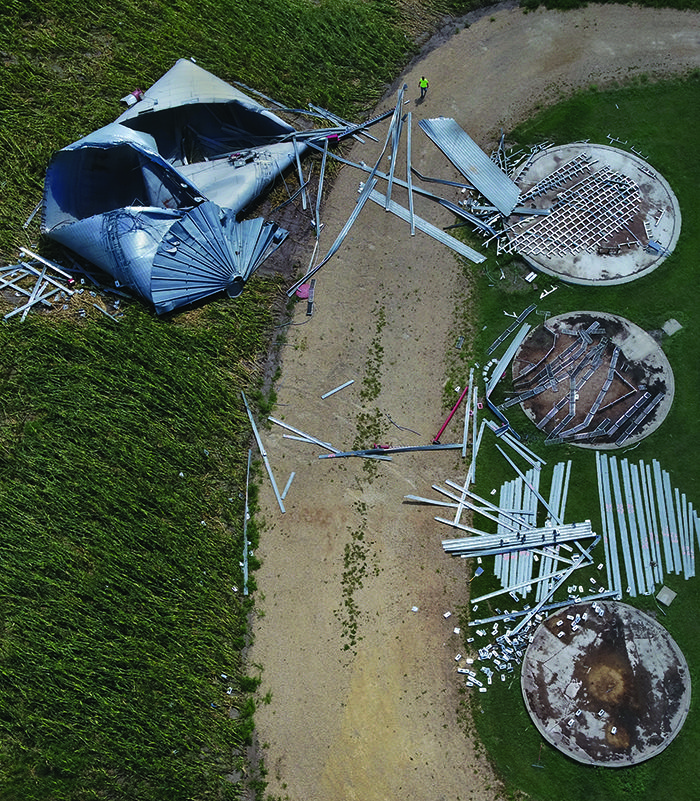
(423, 84)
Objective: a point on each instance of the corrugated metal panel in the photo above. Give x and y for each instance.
(472, 162)
(207, 252)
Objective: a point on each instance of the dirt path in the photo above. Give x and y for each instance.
(348, 561)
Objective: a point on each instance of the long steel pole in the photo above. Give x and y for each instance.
(409, 178)
(263, 453)
(436, 438)
(245, 527)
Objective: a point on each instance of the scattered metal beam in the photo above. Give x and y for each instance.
(317, 210)
(245, 526)
(105, 312)
(388, 450)
(288, 484)
(553, 514)
(51, 265)
(467, 411)
(397, 124)
(436, 438)
(429, 228)
(337, 389)
(364, 195)
(622, 525)
(409, 179)
(511, 328)
(507, 358)
(29, 219)
(302, 182)
(430, 501)
(263, 453)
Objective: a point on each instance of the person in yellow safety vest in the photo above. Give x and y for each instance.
(423, 87)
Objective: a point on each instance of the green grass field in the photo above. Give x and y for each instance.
(640, 115)
(121, 593)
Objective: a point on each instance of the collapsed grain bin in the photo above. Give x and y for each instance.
(153, 198)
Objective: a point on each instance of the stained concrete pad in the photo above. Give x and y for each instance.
(606, 684)
(613, 220)
(641, 368)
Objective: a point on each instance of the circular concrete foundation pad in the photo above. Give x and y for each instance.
(621, 380)
(612, 217)
(606, 684)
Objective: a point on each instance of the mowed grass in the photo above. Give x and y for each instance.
(662, 121)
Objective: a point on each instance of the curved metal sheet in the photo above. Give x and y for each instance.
(185, 83)
(207, 252)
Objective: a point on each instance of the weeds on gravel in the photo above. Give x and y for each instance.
(370, 425)
(356, 569)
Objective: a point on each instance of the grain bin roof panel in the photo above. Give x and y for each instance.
(187, 83)
(472, 162)
(207, 252)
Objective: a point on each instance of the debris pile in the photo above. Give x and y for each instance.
(35, 280)
(597, 214)
(152, 199)
(586, 378)
(651, 522)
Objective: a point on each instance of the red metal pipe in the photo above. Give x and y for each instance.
(436, 439)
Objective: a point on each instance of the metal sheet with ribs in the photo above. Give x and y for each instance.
(472, 162)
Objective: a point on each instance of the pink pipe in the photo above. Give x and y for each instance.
(451, 414)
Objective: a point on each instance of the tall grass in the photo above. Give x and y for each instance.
(122, 463)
